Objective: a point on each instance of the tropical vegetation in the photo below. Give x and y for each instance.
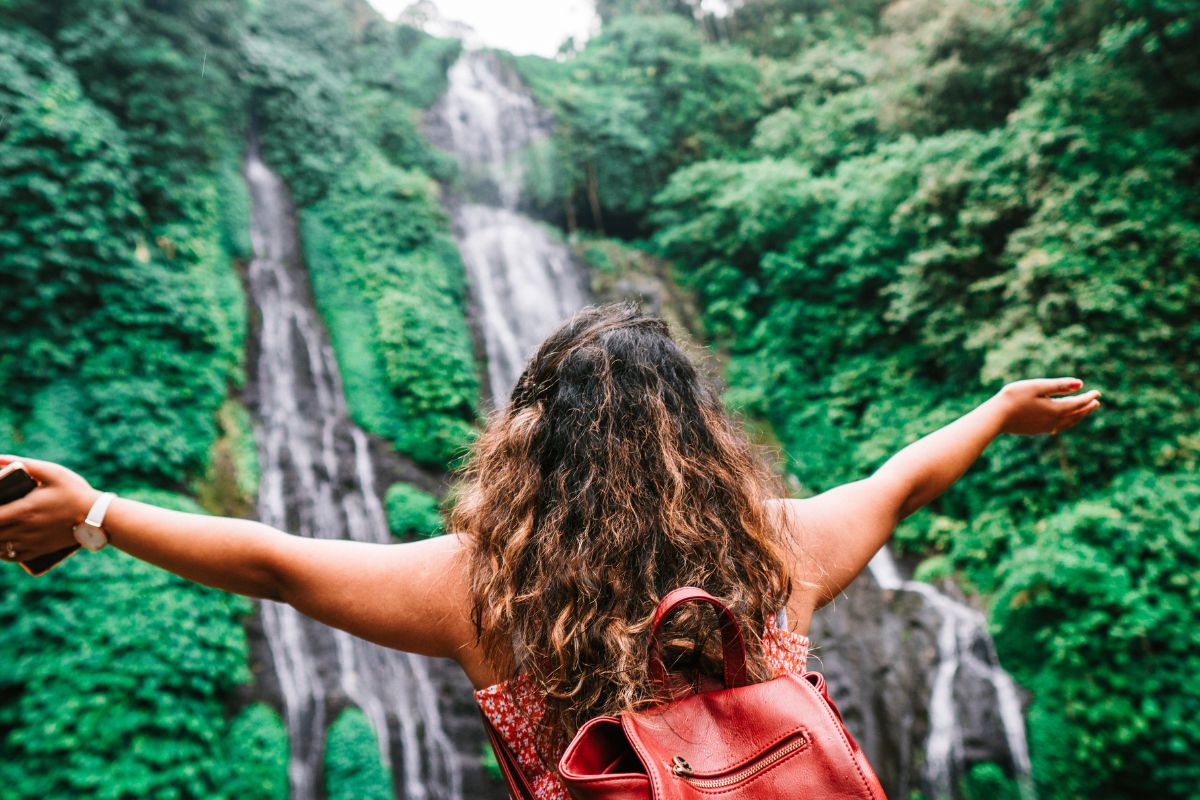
(885, 211)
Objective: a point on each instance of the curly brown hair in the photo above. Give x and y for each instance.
(612, 477)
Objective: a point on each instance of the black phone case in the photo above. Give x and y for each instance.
(14, 486)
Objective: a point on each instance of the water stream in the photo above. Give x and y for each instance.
(318, 480)
(963, 645)
(522, 277)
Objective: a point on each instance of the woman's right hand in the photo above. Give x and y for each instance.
(1032, 408)
(44, 520)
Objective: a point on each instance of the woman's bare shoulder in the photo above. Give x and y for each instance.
(832, 535)
(453, 558)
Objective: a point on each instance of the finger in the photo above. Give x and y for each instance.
(1074, 419)
(1069, 405)
(1091, 406)
(40, 471)
(11, 513)
(1048, 386)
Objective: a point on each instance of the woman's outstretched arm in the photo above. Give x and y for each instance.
(838, 531)
(406, 596)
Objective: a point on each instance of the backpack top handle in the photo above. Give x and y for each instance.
(732, 644)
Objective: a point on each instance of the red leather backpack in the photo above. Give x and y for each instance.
(781, 738)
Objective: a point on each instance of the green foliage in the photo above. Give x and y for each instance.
(491, 767)
(258, 755)
(784, 28)
(408, 65)
(823, 103)
(76, 256)
(610, 10)
(353, 769)
(116, 678)
(992, 246)
(389, 282)
(352, 39)
(324, 80)
(944, 199)
(300, 115)
(122, 210)
(166, 71)
(1104, 595)
(234, 210)
(412, 512)
(987, 781)
(643, 97)
(394, 128)
(124, 322)
(66, 207)
(958, 64)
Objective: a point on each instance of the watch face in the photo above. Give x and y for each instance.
(90, 536)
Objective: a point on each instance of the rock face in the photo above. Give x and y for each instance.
(877, 650)
(915, 676)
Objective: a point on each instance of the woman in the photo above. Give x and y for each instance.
(612, 477)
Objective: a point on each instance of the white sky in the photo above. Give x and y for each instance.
(520, 26)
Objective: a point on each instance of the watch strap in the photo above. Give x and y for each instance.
(95, 517)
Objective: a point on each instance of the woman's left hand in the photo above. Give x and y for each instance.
(43, 521)
(1032, 407)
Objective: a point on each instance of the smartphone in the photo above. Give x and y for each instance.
(15, 483)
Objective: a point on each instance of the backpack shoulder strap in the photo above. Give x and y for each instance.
(514, 776)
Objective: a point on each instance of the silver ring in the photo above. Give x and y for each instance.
(9, 550)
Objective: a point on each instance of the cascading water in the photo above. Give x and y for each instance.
(963, 647)
(318, 480)
(522, 278)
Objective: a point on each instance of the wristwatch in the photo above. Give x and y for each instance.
(89, 533)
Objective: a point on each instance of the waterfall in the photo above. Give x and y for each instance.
(318, 480)
(962, 639)
(522, 277)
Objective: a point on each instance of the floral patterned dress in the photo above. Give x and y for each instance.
(515, 707)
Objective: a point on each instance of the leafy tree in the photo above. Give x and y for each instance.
(958, 64)
(642, 98)
(258, 755)
(125, 325)
(781, 28)
(353, 770)
(79, 258)
(412, 512)
(166, 72)
(300, 115)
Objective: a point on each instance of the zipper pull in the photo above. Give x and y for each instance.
(680, 766)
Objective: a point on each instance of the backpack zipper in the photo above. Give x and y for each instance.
(683, 770)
